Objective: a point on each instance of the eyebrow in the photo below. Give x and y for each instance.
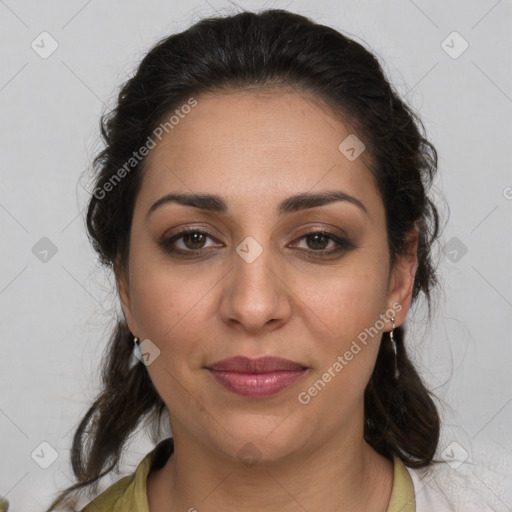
(291, 204)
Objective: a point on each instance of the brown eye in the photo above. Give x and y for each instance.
(318, 242)
(192, 242)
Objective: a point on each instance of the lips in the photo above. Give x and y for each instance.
(256, 378)
(261, 365)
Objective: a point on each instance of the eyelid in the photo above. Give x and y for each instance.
(323, 228)
(341, 241)
(184, 229)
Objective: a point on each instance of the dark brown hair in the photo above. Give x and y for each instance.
(270, 49)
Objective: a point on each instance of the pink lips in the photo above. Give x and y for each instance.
(260, 377)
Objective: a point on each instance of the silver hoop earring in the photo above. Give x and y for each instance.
(393, 346)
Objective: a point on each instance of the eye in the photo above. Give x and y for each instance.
(191, 241)
(318, 242)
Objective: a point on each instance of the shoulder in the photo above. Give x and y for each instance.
(482, 481)
(129, 493)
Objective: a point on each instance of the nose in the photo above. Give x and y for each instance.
(256, 295)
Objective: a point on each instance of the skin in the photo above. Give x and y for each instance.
(255, 149)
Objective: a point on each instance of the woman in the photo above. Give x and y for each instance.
(263, 201)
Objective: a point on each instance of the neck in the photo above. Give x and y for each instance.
(341, 475)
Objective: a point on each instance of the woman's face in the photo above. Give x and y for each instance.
(256, 279)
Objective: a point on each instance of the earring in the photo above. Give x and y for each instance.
(136, 349)
(393, 346)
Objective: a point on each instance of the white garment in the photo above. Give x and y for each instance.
(481, 483)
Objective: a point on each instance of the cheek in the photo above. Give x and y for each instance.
(174, 311)
(347, 338)
(343, 313)
(343, 303)
(164, 298)
(155, 305)
(170, 313)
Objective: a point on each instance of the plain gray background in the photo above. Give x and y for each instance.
(55, 314)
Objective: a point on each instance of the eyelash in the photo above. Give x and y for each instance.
(343, 245)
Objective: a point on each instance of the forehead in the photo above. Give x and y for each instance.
(283, 123)
(251, 144)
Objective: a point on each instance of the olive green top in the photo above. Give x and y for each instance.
(129, 493)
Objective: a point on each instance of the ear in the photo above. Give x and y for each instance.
(402, 278)
(123, 289)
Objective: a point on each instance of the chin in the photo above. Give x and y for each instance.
(260, 439)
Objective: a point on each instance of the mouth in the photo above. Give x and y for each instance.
(260, 377)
